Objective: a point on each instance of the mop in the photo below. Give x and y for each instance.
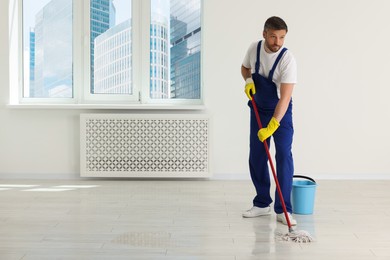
(299, 236)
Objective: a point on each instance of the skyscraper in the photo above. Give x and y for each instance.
(32, 60)
(185, 25)
(159, 57)
(52, 48)
(102, 17)
(113, 60)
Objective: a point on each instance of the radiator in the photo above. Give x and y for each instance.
(139, 145)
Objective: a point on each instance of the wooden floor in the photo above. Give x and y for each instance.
(171, 219)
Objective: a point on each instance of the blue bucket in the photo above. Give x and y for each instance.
(303, 195)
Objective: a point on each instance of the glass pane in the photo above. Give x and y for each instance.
(175, 48)
(47, 48)
(111, 63)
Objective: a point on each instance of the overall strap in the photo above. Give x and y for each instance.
(257, 65)
(271, 72)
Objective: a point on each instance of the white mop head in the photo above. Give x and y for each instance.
(298, 236)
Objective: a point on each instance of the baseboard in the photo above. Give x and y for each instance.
(370, 176)
(352, 176)
(217, 176)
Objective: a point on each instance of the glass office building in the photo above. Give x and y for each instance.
(113, 61)
(32, 60)
(185, 42)
(102, 17)
(175, 71)
(159, 57)
(51, 61)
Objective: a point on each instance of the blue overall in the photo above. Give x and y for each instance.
(266, 98)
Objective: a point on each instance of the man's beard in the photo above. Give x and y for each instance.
(273, 48)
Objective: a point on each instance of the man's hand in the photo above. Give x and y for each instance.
(266, 132)
(250, 88)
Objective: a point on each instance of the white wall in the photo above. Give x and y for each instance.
(340, 104)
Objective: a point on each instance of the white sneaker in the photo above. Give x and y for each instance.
(282, 218)
(256, 212)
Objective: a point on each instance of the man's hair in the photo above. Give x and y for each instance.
(275, 23)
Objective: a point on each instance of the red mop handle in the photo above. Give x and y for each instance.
(272, 165)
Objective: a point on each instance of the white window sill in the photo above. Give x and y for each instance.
(108, 106)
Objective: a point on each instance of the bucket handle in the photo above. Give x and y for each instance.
(304, 177)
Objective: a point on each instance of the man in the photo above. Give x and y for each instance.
(270, 73)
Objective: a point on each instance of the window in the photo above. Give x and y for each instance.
(47, 49)
(110, 47)
(94, 51)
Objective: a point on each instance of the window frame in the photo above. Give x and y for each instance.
(81, 69)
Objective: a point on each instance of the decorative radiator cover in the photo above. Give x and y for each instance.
(144, 145)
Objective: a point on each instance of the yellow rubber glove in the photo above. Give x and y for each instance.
(250, 88)
(266, 132)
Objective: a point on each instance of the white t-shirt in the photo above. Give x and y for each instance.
(285, 72)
